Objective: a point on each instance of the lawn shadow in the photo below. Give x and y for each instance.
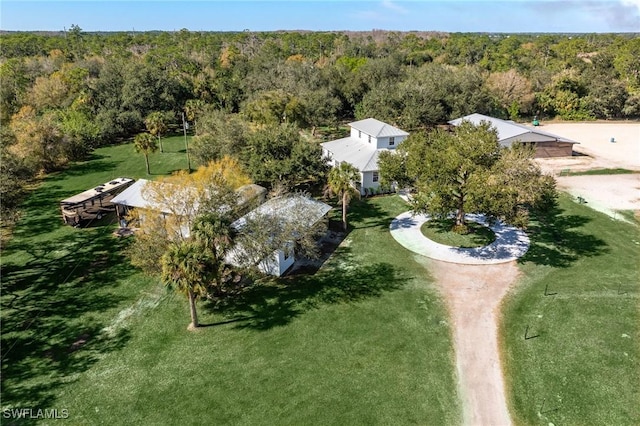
(327, 245)
(557, 241)
(272, 302)
(95, 163)
(49, 303)
(44, 216)
(363, 214)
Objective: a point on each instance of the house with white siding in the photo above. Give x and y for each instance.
(285, 216)
(176, 204)
(367, 139)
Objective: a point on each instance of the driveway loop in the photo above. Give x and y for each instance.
(510, 243)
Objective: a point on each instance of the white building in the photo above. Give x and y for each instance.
(285, 214)
(368, 138)
(178, 204)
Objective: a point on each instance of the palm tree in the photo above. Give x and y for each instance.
(213, 233)
(186, 266)
(156, 125)
(341, 180)
(146, 144)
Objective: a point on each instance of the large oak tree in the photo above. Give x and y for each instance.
(467, 171)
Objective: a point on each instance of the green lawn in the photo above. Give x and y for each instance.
(597, 172)
(61, 286)
(441, 232)
(584, 366)
(365, 340)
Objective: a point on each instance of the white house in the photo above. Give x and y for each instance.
(180, 204)
(290, 212)
(546, 144)
(367, 139)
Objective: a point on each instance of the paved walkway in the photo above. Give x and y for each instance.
(510, 243)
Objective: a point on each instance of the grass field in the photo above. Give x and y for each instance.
(441, 232)
(61, 286)
(579, 295)
(597, 172)
(365, 340)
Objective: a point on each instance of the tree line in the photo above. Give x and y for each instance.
(263, 97)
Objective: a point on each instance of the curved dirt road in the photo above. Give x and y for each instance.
(473, 294)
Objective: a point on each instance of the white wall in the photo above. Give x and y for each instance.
(327, 154)
(184, 230)
(367, 181)
(363, 137)
(383, 143)
(277, 264)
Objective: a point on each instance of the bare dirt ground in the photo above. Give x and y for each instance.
(473, 294)
(605, 193)
(595, 144)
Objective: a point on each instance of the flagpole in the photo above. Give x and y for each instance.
(186, 144)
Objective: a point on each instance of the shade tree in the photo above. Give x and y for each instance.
(219, 134)
(467, 171)
(180, 200)
(277, 154)
(512, 91)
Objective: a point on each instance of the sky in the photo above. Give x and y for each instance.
(510, 16)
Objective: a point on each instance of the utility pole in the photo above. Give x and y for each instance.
(186, 144)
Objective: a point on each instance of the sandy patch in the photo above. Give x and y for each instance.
(606, 193)
(473, 294)
(595, 141)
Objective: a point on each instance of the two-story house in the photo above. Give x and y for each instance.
(367, 139)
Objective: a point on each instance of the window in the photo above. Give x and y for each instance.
(375, 176)
(359, 134)
(369, 139)
(392, 141)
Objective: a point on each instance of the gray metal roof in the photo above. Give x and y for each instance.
(377, 128)
(361, 156)
(509, 131)
(135, 196)
(289, 208)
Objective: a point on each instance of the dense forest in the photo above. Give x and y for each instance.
(250, 94)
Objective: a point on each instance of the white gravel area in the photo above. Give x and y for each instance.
(510, 243)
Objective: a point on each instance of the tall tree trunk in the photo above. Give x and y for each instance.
(146, 160)
(460, 213)
(344, 209)
(192, 307)
(160, 143)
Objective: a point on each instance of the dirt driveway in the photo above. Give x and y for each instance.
(473, 294)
